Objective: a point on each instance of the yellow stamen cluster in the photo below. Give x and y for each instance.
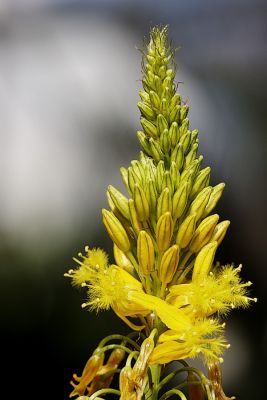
(165, 238)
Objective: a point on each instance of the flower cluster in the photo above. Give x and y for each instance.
(164, 282)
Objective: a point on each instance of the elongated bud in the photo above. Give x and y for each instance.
(201, 181)
(174, 176)
(145, 253)
(161, 124)
(184, 112)
(135, 221)
(179, 200)
(220, 231)
(215, 196)
(175, 113)
(127, 385)
(116, 231)
(144, 142)
(154, 99)
(200, 202)
(120, 201)
(165, 141)
(177, 156)
(149, 128)
(184, 127)
(124, 175)
(146, 111)
(174, 134)
(164, 231)
(164, 202)
(152, 195)
(138, 169)
(204, 261)
(141, 203)
(155, 150)
(169, 264)
(144, 96)
(186, 231)
(122, 260)
(167, 182)
(164, 109)
(191, 155)
(185, 141)
(203, 233)
(133, 179)
(176, 99)
(159, 175)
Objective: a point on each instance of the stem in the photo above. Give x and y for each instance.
(119, 337)
(171, 392)
(104, 391)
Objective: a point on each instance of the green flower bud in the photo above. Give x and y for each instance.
(164, 231)
(138, 169)
(144, 96)
(201, 181)
(164, 202)
(157, 84)
(122, 260)
(120, 201)
(154, 99)
(179, 200)
(177, 156)
(116, 231)
(204, 261)
(184, 112)
(144, 142)
(175, 113)
(149, 128)
(141, 203)
(164, 107)
(169, 264)
(203, 233)
(145, 253)
(133, 179)
(191, 155)
(186, 231)
(184, 127)
(185, 141)
(124, 175)
(174, 176)
(214, 198)
(162, 71)
(200, 202)
(176, 99)
(135, 221)
(146, 111)
(161, 124)
(152, 195)
(165, 141)
(220, 231)
(155, 150)
(174, 134)
(159, 175)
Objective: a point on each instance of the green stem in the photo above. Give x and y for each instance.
(104, 391)
(119, 337)
(202, 377)
(171, 392)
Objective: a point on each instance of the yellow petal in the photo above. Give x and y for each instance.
(169, 351)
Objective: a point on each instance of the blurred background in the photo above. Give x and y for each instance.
(69, 79)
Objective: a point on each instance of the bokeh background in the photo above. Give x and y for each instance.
(69, 79)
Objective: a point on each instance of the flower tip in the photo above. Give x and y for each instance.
(221, 360)
(84, 305)
(255, 299)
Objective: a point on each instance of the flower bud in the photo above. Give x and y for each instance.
(179, 200)
(152, 195)
(135, 221)
(184, 112)
(149, 128)
(175, 114)
(201, 181)
(120, 201)
(178, 156)
(165, 141)
(145, 253)
(184, 127)
(156, 151)
(169, 264)
(186, 231)
(204, 261)
(159, 175)
(127, 384)
(185, 141)
(162, 71)
(141, 203)
(161, 124)
(164, 202)
(122, 260)
(154, 99)
(200, 202)
(191, 155)
(164, 231)
(203, 233)
(214, 198)
(145, 110)
(144, 142)
(164, 108)
(124, 175)
(116, 231)
(167, 182)
(176, 99)
(220, 231)
(174, 134)
(174, 176)
(133, 179)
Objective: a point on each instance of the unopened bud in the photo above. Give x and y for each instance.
(152, 195)
(149, 128)
(176, 99)
(146, 111)
(191, 155)
(220, 231)
(186, 231)
(122, 260)
(141, 203)
(169, 264)
(203, 233)
(178, 156)
(154, 99)
(165, 141)
(119, 200)
(124, 175)
(174, 175)
(175, 113)
(159, 175)
(185, 141)
(144, 142)
(161, 124)
(116, 231)
(135, 221)
(156, 151)
(164, 231)
(167, 181)
(215, 196)
(145, 253)
(184, 112)
(200, 202)
(179, 200)
(201, 181)
(164, 202)
(184, 127)
(204, 261)
(133, 179)
(174, 134)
